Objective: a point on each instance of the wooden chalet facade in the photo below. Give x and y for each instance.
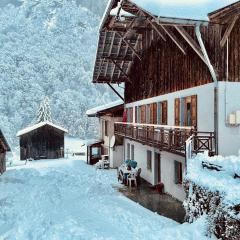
(109, 146)
(182, 84)
(44, 140)
(4, 148)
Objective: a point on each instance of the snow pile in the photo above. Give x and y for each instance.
(66, 199)
(213, 186)
(217, 180)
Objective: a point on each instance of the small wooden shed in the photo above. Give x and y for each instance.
(4, 148)
(44, 140)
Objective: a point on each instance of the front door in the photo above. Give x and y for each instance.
(157, 160)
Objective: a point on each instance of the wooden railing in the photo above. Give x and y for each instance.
(168, 138)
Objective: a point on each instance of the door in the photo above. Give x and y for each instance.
(157, 161)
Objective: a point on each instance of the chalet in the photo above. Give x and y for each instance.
(110, 146)
(182, 84)
(43, 140)
(4, 148)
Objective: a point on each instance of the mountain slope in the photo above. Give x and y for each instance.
(47, 49)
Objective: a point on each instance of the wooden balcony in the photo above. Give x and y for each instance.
(167, 138)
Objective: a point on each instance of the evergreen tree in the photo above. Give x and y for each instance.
(44, 111)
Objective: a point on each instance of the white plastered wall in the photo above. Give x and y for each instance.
(167, 168)
(229, 102)
(205, 98)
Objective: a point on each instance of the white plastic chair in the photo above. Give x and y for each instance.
(132, 178)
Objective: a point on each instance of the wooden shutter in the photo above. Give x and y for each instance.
(164, 113)
(177, 111)
(154, 113)
(143, 114)
(194, 111)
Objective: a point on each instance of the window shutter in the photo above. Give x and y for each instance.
(194, 110)
(182, 111)
(177, 111)
(154, 113)
(143, 114)
(176, 180)
(164, 113)
(159, 113)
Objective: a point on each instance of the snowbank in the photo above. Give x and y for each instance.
(67, 199)
(214, 180)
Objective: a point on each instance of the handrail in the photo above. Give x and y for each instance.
(167, 138)
(154, 125)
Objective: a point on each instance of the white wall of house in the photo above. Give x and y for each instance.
(167, 168)
(116, 153)
(229, 102)
(116, 156)
(205, 98)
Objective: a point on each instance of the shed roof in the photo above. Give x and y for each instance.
(105, 108)
(4, 141)
(39, 125)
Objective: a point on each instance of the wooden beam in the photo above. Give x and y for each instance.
(174, 38)
(228, 31)
(119, 68)
(130, 46)
(191, 42)
(156, 29)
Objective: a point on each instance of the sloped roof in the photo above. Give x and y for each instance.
(39, 125)
(4, 141)
(94, 111)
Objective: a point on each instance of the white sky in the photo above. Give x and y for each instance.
(195, 9)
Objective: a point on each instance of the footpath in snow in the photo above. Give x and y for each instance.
(67, 200)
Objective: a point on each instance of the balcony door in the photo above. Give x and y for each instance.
(157, 167)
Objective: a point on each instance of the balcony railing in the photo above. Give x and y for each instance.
(168, 138)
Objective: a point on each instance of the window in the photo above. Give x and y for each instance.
(128, 151)
(149, 160)
(162, 113)
(178, 172)
(132, 152)
(186, 111)
(106, 128)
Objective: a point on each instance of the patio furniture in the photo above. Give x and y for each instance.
(132, 179)
(138, 176)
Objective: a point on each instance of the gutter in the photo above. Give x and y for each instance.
(215, 80)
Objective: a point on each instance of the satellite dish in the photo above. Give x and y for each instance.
(112, 141)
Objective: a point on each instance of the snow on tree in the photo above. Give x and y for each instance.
(44, 111)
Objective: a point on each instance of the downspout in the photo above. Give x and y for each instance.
(214, 77)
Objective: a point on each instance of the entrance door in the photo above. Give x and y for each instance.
(157, 160)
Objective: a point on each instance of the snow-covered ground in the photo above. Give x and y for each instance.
(66, 199)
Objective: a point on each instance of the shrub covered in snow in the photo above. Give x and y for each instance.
(213, 186)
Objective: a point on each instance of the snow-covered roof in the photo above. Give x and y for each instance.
(192, 9)
(94, 111)
(222, 181)
(39, 125)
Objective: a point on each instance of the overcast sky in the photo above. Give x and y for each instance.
(197, 9)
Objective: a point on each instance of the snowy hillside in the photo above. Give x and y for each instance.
(47, 49)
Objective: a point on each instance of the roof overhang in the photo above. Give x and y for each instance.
(121, 35)
(106, 110)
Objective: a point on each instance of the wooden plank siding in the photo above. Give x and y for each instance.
(165, 69)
